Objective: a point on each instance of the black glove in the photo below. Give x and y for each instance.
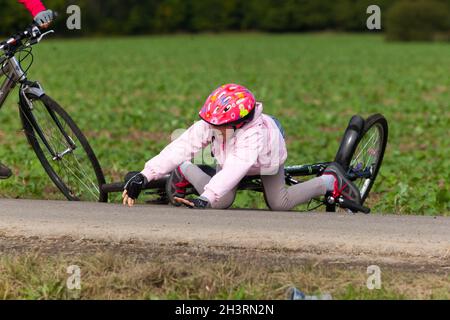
(200, 203)
(135, 185)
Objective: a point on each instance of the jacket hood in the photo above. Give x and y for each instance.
(257, 117)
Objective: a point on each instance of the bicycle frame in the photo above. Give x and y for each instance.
(252, 183)
(14, 73)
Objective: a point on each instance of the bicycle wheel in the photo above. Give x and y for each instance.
(349, 141)
(348, 146)
(75, 169)
(367, 159)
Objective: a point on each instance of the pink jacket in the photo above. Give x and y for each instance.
(34, 6)
(257, 148)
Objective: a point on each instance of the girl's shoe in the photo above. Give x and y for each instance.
(342, 186)
(5, 172)
(176, 186)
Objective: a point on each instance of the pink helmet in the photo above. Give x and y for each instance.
(230, 104)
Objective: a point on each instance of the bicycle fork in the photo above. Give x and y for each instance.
(26, 107)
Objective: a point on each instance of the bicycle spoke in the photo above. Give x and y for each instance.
(82, 182)
(363, 148)
(365, 157)
(71, 167)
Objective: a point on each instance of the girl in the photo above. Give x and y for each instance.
(43, 18)
(244, 141)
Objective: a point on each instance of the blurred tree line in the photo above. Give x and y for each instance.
(118, 17)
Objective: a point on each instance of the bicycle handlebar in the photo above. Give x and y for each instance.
(33, 32)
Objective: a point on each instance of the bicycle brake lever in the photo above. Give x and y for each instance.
(44, 34)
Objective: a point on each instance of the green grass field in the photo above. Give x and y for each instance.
(129, 94)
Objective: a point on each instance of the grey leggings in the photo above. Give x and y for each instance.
(278, 196)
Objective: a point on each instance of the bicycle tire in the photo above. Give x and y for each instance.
(379, 123)
(347, 147)
(350, 141)
(36, 144)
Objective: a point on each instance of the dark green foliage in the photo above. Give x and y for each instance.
(420, 20)
(164, 16)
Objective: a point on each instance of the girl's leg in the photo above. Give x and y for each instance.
(199, 179)
(196, 176)
(279, 197)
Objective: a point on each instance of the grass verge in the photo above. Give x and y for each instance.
(38, 270)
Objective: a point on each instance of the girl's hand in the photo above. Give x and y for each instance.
(127, 200)
(186, 202)
(133, 189)
(197, 203)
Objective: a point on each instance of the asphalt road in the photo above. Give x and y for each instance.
(390, 237)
